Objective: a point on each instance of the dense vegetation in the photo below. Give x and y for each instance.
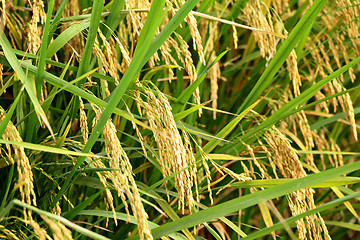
(210, 119)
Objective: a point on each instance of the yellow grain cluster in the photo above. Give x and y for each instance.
(40, 233)
(35, 31)
(123, 180)
(346, 12)
(2, 14)
(322, 144)
(1, 77)
(83, 122)
(287, 163)
(131, 33)
(284, 157)
(8, 234)
(16, 154)
(259, 16)
(59, 231)
(174, 155)
(214, 72)
(108, 58)
(324, 68)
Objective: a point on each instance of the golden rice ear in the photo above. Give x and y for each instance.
(35, 32)
(123, 181)
(258, 16)
(83, 122)
(292, 67)
(288, 164)
(58, 229)
(109, 57)
(76, 44)
(173, 154)
(105, 176)
(191, 21)
(1, 77)
(319, 54)
(17, 155)
(350, 11)
(280, 6)
(39, 232)
(3, 9)
(214, 72)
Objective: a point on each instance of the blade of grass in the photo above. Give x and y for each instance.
(285, 49)
(293, 219)
(80, 207)
(30, 89)
(124, 217)
(43, 47)
(40, 69)
(180, 115)
(229, 223)
(228, 128)
(94, 25)
(38, 147)
(65, 37)
(7, 185)
(237, 204)
(55, 22)
(350, 226)
(288, 109)
(64, 221)
(274, 182)
(9, 114)
(114, 18)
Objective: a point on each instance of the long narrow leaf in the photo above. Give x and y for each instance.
(234, 205)
(30, 88)
(289, 44)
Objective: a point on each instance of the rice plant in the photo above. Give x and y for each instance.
(199, 119)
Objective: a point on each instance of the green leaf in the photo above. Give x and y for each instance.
(237, 204)
(94, 25)
(180, 115)
(186, 94)
(43, 47)
(277, 61)
(7, 119)
(66, 36)
(76, 210)
(340, 181)
(38, 147)
(289, 108)
(28, 83)
(293, 219)
(227, 129)
(124, 217)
